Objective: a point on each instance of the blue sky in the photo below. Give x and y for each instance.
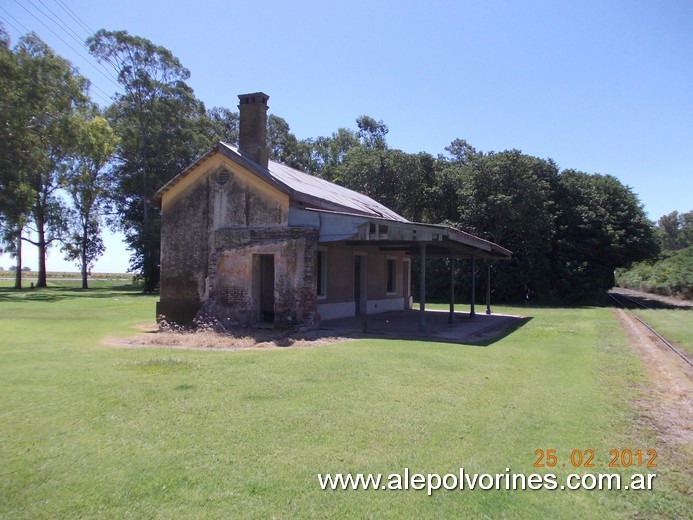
(598, 86)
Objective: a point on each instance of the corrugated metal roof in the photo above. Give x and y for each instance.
(319, 193)
(315, 193)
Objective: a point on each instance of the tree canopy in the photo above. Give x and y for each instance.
(161, 128)
(88, 186)
(675, 230)
(46, 96)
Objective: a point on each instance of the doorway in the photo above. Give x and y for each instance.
(406, 283)
(267, 288)
(360, 284)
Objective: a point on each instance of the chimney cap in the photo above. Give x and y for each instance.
(254, 98)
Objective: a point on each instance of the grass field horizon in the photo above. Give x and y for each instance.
(60, 275)
(91, 430)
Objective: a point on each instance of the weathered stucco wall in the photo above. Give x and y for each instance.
(241, 200)
(340, 272)
(217, 194)
(234, 277)
(184, 253)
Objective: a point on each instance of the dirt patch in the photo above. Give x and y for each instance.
(668, 405)
(152, 337)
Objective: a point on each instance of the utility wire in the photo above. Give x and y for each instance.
(104, 96)
(110, 78)
(79, 42)
(75, 17)
(72, 34)
(76, 36)
(89, 32)
(9, 23)
(20, 23)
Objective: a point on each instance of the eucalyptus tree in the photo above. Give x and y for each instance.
(223, 125)
(675, 230)
(329, 152)
(54, 93)
(162, 127)
(16, 154)
(44, 92)
(399, 180)
(286, 148)
(87, 184)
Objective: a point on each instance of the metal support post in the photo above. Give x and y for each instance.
(472, 313)
(451, 316)
(422, 291)
(488, 287)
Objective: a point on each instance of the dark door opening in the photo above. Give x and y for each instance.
(357, 284)
(360, 284)
(406, 284)
(267, 288)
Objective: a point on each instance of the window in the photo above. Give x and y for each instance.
(371, 231)
(222, 177)
(321, 274)
(391, 275)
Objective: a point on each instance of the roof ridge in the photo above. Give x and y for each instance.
(311, 189)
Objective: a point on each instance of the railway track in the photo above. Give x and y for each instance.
(628, 304)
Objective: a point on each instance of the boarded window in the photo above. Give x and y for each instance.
(391, 275)
(321, 274)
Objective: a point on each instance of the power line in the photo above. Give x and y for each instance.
(75, 37)
(75, 17)
(79, 42)
(79, 53)
(88, 30)
(72, 34)
(20, 23)
(103, 97)
(9, 23)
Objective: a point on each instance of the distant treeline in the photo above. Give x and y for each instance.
(670, 273)
(568, 230)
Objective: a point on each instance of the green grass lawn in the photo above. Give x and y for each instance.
(89, 430)
(674, 325)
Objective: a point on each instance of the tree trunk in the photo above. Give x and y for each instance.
(18, 272)
(146, 266)
(41, 244)
(85, 285)
(146, 246)
(41, 282)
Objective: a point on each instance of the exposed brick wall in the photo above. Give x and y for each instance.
(233, 274)
(237, 298)
(211, 236)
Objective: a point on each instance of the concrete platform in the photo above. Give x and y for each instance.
(405, 325)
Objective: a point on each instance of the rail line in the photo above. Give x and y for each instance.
(636, 303)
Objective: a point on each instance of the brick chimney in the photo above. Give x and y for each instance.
(252, 139)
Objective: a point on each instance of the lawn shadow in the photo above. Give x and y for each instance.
(438, 327)
(494, 335)
(56, 292)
